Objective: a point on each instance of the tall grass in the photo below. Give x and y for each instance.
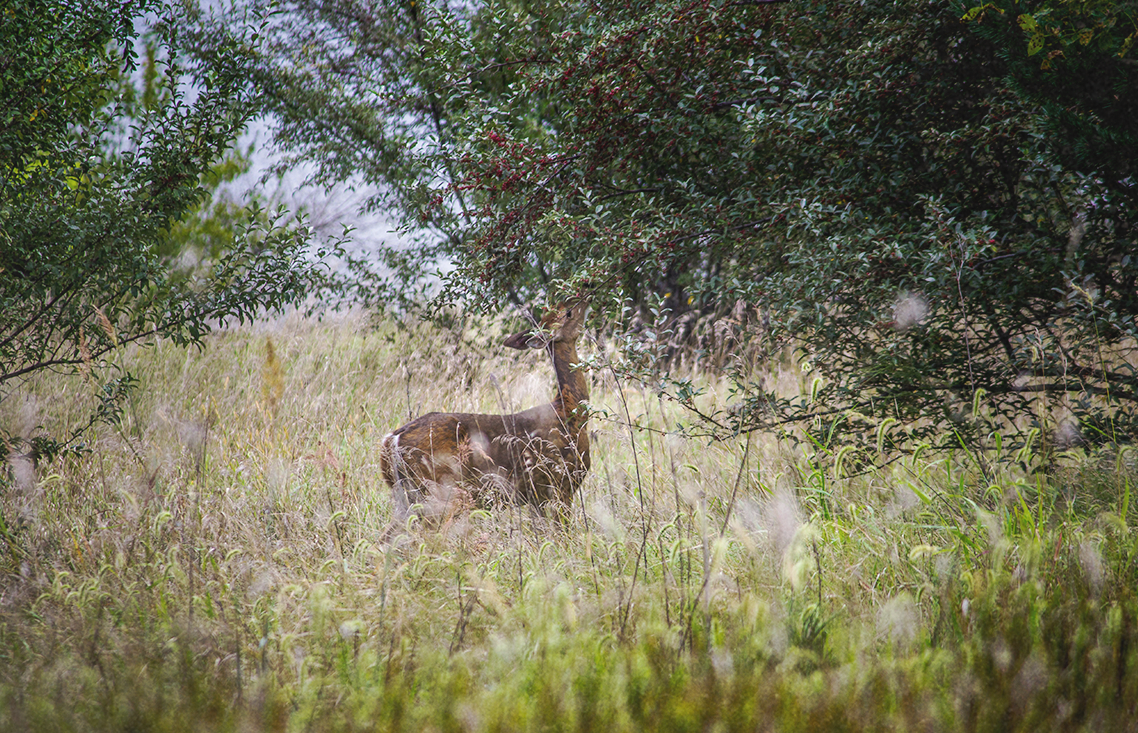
(214, 563)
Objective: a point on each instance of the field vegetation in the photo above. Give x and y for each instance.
(213, 561)
(863, 346)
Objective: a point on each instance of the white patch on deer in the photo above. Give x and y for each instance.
(479, 443)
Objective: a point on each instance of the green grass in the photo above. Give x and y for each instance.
(214, 563)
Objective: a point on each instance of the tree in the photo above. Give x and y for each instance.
(92, 185)
(873, 177)
(939, 226)
(1073, 58)
(359, 97)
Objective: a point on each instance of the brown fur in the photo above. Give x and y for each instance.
(538, 456)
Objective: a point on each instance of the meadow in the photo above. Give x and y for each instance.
(214, 562)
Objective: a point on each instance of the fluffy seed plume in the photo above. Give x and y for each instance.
(909, 310)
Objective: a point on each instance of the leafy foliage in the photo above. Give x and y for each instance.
(1075, 59)
(942, 228)
(94, 178)
(354, 96)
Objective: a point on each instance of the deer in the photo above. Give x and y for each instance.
(538, 456)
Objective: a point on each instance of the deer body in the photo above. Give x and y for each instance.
(538, 456)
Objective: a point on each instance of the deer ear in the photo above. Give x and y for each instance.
(524, 340)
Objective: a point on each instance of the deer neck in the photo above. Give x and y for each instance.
(572, 387)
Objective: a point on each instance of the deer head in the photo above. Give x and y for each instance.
(561, 323)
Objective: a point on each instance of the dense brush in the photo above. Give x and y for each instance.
(213, 562)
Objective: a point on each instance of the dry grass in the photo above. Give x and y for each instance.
(214, 563)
